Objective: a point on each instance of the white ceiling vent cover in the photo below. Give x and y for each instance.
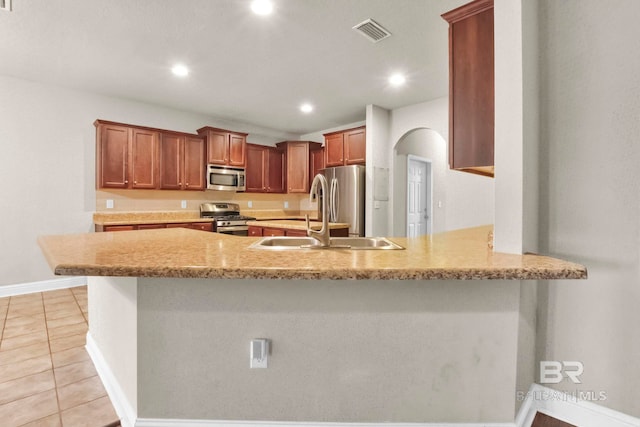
(372, 30)
(5, 5)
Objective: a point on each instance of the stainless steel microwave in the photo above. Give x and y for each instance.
(225, 178)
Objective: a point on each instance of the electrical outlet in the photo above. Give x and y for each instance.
(183, 204)
(286, 205)
(250, 204)
(109, 203)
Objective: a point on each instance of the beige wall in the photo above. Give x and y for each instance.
(590, 192)
(344, 351)
(48, 171)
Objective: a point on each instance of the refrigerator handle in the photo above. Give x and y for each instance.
(334, 200)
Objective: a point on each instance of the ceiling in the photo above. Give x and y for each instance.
(244, 67)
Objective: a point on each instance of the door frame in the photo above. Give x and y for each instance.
(428, 196)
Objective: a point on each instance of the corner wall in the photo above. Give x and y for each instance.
(590, 192)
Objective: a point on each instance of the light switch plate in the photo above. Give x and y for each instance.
(250, 204)
(286, 205)
(5, 5)
(109, 203)
(183, 204)
(259, 353)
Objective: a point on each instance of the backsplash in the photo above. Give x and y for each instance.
(167, 200)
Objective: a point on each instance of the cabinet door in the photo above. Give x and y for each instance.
(217, 147)
(203, 226)
(113, 156)
(150, 226)
(355, 142)
(275, 171)
(255, 231)
(170, 162)
(334, 150)
(144, 159)
(296, 233)
(194, 164)
(267, 231)
(297, 167)
(316, 162)
(119, 227)
(255, 170)
(471, 87)
(237, 145)
(179, 225)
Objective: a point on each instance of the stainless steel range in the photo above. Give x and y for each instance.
(227, 218)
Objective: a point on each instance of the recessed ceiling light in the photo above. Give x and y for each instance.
(180, 70)
(397, 79)
(262, 7)
(306, 108)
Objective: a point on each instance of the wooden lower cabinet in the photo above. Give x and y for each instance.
(268, 231)
(296, 233)
(255, 231)
(203, 226)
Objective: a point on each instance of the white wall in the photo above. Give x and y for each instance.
(48, 170)
(590, 192)
(467, 199)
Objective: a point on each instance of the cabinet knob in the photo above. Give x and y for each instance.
(126, 181)
(187, 184)
(135, 182)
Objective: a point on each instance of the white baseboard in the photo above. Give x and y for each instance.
(123, 408)
(568, 408)
(148, 422)
(43, 286)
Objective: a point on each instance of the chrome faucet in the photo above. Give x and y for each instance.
(322, 236)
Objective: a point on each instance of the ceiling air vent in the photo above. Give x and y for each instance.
(371, 30)
(5, 5)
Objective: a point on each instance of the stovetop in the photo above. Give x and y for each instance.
(232, 217)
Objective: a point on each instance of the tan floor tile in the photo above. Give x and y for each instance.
(25, 320)
(24, 310)
(24, 353)
(23, 340)
(63, 305)
(64, 343)
(24, 368)
(56, 293)
(98, 412)
(50, 421)
(64, 331)
(26, 298)
(29, 409)
(4, 302)
(64, 321)
(14, 331)
(26, 386)
(80, 392)
(67, 357)
(58, 314)
(61, 301)
(75, 372)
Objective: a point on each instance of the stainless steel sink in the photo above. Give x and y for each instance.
(280, 243)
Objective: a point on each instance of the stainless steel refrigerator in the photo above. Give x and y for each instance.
(346, 196)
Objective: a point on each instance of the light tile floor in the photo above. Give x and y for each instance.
(46, 376)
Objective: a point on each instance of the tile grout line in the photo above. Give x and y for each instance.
(80, 308)
(6, 316)
(53, 372)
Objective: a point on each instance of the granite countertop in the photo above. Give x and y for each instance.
(294, 224)
(159, 217)
(461, 254)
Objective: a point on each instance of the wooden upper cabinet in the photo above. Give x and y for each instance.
(224, 147)
(182, 162)
(126, 156)
(355, 143)
(471, 87)
(316, 162)
(265, 169)
(255, 180)
(194, 166)
(346, 147)
(144, 159)
(297, 164)
(334, 149)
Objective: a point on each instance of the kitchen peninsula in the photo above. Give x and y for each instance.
(356, 336)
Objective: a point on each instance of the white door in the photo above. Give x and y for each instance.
(418, 197)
